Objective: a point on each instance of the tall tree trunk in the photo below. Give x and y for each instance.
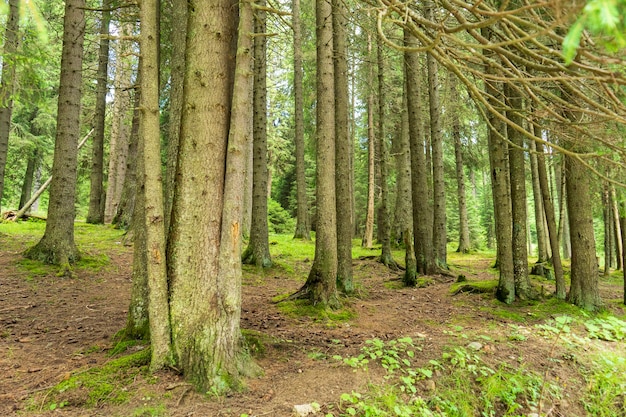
(498, 162)
(7, 84)
(179, 27)
(608, 230)
(464, 234)
(584, 275)
(619, 247)
(543, 247)
(203, 246)
(422, 216)
(561, 185)
(57, 244)
(548, 207)
(126, 208)
(156, 266)
(342, 150)
(321, 284)
(27, 186)
(404, 199)
(622, 223)
(384, 224)
(368, 234)
(119, 130)
(302, 212)
(517, 174)
(95, 213)
(258, 250)
(440, 236)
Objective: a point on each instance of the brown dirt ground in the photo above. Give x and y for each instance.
(51, 327)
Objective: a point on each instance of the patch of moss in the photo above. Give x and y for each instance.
(102, 384)
(93, 263)
(474, 286)
(150, 411)
(35, 268)
(255, 342)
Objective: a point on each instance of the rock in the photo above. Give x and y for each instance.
(475, 346)
(304, 410)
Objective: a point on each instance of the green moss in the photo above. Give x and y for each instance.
(35, 268)
(102, 384)
(255, 342)
(474, 286)
(150, 411)
(94, 263)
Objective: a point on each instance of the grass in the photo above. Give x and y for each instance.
(318, 313)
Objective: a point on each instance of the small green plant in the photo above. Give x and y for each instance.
(606, 386)
(609, 328)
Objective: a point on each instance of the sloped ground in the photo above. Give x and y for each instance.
(52, 328)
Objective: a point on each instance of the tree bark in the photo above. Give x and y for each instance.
(321, 284)
(384, 225)
(179, 27)
(258, 250)
(119, 130)
(343, 166)
(517, 175)
(156, 266)
(622, 223)
(440, 237)
(543, 247)
(422, 216)
(368, 234)
(608, 230)
(619, 247)
(27, 186)
(57, 244)
(95, 214)
(205, 303)
(464, 234)
(303, 227)
(7, 84)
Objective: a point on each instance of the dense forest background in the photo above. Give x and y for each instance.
(207, 126)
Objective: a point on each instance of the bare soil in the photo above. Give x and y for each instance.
(51, 328)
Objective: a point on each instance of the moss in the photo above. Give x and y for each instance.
(35, 268)
(303, 308)
(487, 286)
(102, 384)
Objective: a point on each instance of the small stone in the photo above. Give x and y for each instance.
(303, 410)
(430, 385)
(475, 346)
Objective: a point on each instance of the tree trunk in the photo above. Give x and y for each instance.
(57, 244)
(622, 223)
(125, 209)
(548, 208)
(179, 27)
(119, 130)
(368, 234)
(302, 212)
(7, 84)
(564, 232)
(619, 247)
(464, 235)
(498, 162)
(440, 237)
(517, 174)
(95, 214)
(204, 266)
(422, 216)
(156, 266)
(543, 248)
(27, 186)
(384, 225)
(608, 230)
(584, 276)
(342, 159)
(258, 250)
(321, 284)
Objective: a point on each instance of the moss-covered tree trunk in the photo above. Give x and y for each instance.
(258, 250)
(204, 242)
(95, 214)
(57, 244)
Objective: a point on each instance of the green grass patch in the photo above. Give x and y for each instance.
(303, 308)
(99, 385)
(606, 385)
(150, 411)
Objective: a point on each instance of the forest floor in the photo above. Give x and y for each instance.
(55, 329)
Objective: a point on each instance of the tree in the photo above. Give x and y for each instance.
(96, 204)
(156, 267)
(302, 212)
(321, 286)
(343, 165)
(7, 84)
(57, 244)
(368, 234)
(204, 246)
(439, 190)
(258, 250)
